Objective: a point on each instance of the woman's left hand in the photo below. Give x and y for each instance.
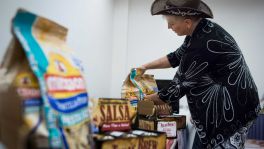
(155, 98)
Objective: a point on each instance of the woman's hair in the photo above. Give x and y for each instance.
(193, 18)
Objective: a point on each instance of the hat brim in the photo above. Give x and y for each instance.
(159, 8)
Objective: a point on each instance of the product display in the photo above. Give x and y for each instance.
(152, 118)
(43, 86)
(45, 103)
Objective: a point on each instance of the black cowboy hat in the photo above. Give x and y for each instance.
(181, 8)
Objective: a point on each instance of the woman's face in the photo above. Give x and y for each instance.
(178, 24)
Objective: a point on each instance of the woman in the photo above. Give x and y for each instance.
(221, 93)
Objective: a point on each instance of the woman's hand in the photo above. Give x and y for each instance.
(155, 98)
(143, 68)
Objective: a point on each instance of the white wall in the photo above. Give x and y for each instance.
(148, 37)
(119, 47)
(90, 33)
(112, 36)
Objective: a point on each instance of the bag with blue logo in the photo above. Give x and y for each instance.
(55, 98)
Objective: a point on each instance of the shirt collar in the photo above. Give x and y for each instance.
(203, 23)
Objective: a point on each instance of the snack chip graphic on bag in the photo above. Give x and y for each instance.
(48, 80)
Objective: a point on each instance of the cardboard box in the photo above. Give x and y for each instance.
(149, 119)
(112, 114)
(159, 118)
(136, 139)
(168, 124)
(148, 108)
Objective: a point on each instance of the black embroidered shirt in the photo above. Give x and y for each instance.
(213, 74)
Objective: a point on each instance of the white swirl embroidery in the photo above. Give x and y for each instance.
(211, 94)
(174, 91)
(240, 75)
(208, 27)
(183, 13)
(193, 69)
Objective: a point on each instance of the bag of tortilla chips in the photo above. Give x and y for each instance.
(43, 87)
(22, 123)
(137, 85)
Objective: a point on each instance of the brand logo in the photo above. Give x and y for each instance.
(65, 84)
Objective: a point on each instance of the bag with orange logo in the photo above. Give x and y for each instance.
(41, 73)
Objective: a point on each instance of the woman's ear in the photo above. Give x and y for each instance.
(188, 23)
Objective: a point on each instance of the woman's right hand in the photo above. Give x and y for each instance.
(143, 69)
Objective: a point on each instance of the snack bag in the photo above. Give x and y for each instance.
(137, 85)
(52, 92)
(22, 123)
(33, 125)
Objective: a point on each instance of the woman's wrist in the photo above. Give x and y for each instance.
(145, 67)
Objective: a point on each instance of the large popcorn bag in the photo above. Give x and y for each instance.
(59, 100)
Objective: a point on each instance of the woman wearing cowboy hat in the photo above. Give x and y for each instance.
(221, 93)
